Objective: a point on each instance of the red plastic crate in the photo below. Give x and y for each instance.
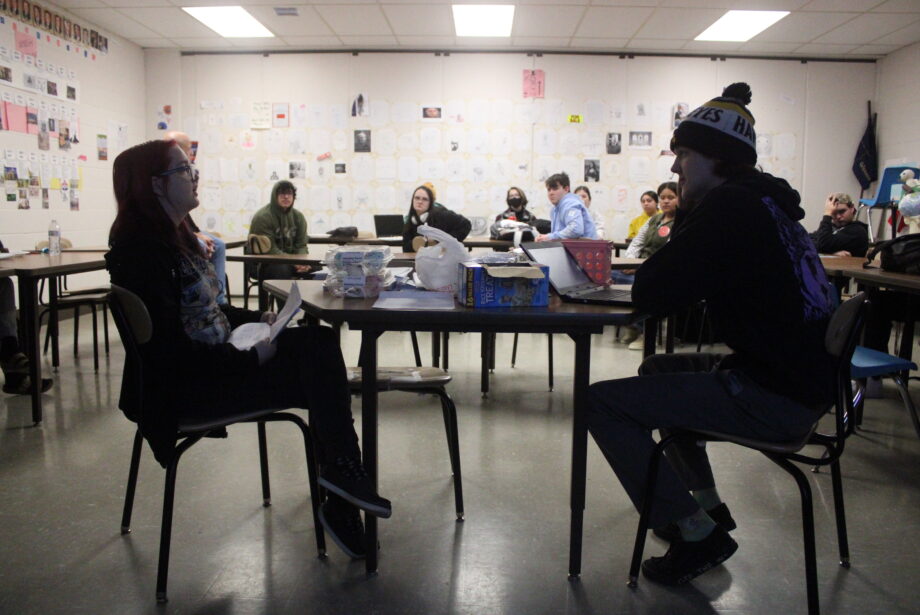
(593, 255)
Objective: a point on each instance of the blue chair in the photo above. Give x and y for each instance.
(868, 363)
(891, 177)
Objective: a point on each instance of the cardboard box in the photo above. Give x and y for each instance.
(505, 285)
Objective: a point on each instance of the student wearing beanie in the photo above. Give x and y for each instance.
(778, 378)
(286, 229)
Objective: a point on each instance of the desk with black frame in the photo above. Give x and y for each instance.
(578, 321)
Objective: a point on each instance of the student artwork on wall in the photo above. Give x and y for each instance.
(35, 23)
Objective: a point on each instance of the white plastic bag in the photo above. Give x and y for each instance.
(436, 266)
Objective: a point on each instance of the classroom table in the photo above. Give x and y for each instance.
(29, 269)
(499, 245)
(579, 321)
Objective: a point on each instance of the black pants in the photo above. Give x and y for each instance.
(307, 372)
(886, 306)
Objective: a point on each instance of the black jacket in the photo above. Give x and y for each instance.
(854, 238)
(173, 362)
(439, 217)
(743, 250)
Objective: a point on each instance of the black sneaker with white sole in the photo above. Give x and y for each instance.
(686, 560)
(342, 523)
(720, 514)
(348, 479)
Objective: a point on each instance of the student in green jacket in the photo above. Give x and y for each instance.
(285, 227)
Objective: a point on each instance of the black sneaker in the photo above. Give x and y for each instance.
(348, 478)
(720, 514)
(16, 372)
(687, 560)
(343, 523)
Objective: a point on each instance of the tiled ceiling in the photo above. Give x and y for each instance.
(814, 28)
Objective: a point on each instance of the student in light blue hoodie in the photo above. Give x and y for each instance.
(570, 218)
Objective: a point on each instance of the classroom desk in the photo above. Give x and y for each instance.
(579, 321)
(29, 269)
(499, 245)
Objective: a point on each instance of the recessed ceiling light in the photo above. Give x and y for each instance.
(483, 19)
(740, 26)
(229, 21)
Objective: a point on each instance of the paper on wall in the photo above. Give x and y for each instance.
(456, 170)
(297, 142)
(639, 169)
(298, 115)
(478, 111)
(386, 168)
(500, 142)
(407, 142)
(403, 112)
(431, 168)
(386, 142)
(275, 170)
(230, 198)
(274, 141)
(408, 169)
(430, 141)
(320, 142)
(545, 142)
(260, 117)
(385, 198)
(362, 168)
(502, 112)
(229, 171)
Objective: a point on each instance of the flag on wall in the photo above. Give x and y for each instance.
(865, 164)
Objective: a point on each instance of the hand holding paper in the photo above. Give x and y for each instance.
(252, 334)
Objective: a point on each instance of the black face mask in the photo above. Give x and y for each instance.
(515, 202)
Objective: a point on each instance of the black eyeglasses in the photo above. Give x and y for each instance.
(185, 168)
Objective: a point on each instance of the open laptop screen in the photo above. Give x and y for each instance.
(388, 225)
(564, 271)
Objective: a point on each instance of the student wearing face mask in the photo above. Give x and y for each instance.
(190, 369)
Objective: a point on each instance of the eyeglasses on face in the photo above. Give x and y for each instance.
(184, 168)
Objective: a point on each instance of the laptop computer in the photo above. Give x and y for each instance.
(388, 225)
(569, 280)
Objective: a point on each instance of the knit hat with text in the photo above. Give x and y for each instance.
(722, 128)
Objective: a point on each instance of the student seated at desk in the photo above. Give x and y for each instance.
(191, 371)
(649, 202)
(13, 362)
(286, 229)
(424, 210)
(839, 232)
(569, 218)
(778, 379)
(584, 193)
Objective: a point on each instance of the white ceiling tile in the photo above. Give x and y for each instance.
(566, 2)
(154, 43)
(650, 44)
(904, 36)
(625, 2)
(824, 49)
(311, 42)
(764, 47)
(369, 41)
(355, 20)
(773, 5)
(170, 22)
(864, 29)
(898, 6)
(115, 22)
(420, 19)
(426, 42)
(75, 4)
(611, 44)
(716, 46)
(554, 21)
(541, 42)
(217, 42)
(130, 4)
(840, 5)
(678, 23)
(600, 22)
(875, 50)
(802, 27)
(258, 43)
(306, 23)
(246, 4)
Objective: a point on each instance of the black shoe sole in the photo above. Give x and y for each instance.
(338, 541)
(369, 507)
(683, 580)
(671, 532)
(47, 383)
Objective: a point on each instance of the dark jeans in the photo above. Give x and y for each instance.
(886, 306)
(307, 372)
(282, 271)
(687, 391)
(7, 309)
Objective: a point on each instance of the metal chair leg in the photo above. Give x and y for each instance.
(644, 514)
(449, 410)
(76, 330)
(446, 345)
(908, 402)
(415, 349)
(808, 533)
(263, 465)
(550, 339)
(132, 483)
(95, 339)
(169, 494)
(105, 326)
(843, 544)
(514, 350)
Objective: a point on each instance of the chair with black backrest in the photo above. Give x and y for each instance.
(67, 299)
(136, 329)
(423, 380)
(255, 244)
(840, 340)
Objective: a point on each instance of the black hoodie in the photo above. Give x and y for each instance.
(743, 250)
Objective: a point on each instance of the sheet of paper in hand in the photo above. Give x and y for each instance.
(248, 335)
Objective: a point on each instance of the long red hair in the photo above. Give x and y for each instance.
(139, 211)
